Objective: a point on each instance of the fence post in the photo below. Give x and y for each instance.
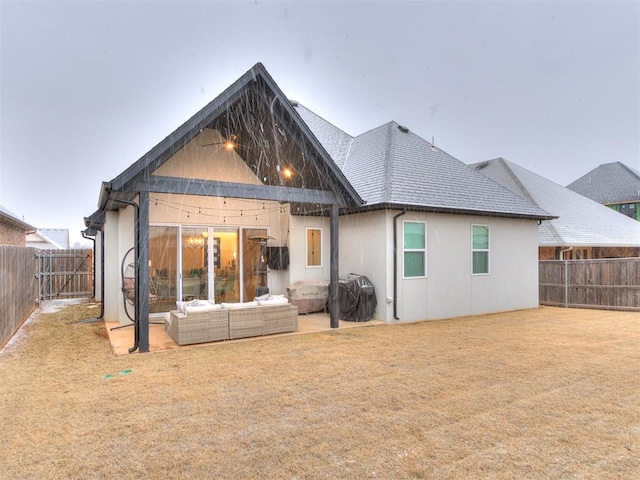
(566, 284)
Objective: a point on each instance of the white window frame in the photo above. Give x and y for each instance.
(487, 250)
(405, 250)
(306, 247)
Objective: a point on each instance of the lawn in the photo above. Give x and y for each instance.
(544, 393)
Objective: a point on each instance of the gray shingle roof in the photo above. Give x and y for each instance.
(335, 141)
(609, 183)
(580, 222)
(389, 166)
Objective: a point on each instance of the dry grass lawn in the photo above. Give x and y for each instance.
(546, 393)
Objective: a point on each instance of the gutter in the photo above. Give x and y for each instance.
(395, 264)
(104, 195)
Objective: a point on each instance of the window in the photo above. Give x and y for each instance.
(314, 247)
(628, 209)
(480, 249)
(415, 249)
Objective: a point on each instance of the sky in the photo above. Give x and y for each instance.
(88, 87)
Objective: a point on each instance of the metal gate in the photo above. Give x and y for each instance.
(65, 273)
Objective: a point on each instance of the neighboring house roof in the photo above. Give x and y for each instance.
(580, 222)
(609, 183)
(392, 167)
(11, 218)
(44, 238)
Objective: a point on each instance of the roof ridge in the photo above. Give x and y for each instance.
(516, 180)
(358, 137)
(347, 152)
(554, 231)
(389, 161)
(296, 103)
(630, 170)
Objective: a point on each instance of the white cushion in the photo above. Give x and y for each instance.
(273, 301)
(232, 306)
(201, 309)
(181, 305)
(204, 303)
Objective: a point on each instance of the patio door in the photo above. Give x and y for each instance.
(223, 264)
(195, 263)
(254, 266)
(210, 264)
(163, 262)
(225, 261)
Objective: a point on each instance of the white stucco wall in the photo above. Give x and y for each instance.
(365, 249)
(298, 269)
(205, 157)
(449, 289)
(119, 237)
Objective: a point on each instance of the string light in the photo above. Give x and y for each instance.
(217, 212)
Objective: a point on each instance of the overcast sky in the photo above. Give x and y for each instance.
(88, 87)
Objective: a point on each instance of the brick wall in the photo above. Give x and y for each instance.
(11, 235)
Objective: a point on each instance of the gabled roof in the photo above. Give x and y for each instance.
(580, 222)
(12, 219)
(55, 237)
(390, 166)
(609, 183)
(267, 128)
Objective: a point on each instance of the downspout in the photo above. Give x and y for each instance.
(101, 316)
(84, 235)
(102, 272)
(561, 254)
(136, 245)
(395, 264)
(566, 276)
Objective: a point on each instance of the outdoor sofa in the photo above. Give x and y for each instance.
(202, 322)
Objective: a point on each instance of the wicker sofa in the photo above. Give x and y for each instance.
(237, 321)
(262, 320)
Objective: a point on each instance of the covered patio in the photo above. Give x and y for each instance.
(122, 339)
(246, 153)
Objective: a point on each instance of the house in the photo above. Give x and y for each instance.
(253, 173)
(584, 229)
(12, 229)
(614, 185)
(49, 239)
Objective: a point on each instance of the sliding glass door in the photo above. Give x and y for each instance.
(224, 264)
(163, 261)
(225, 260)
(254, 266)
(195, 263)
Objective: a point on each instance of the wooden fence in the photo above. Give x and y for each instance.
(65, 273)
(611, 284)
(18, 288)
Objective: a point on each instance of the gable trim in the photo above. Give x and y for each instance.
(151, 161)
